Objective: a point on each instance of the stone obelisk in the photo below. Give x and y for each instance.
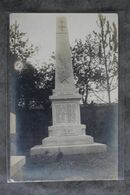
(67, 134)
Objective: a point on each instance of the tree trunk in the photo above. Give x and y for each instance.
(107, 78)
(85, 99)
(106, 66)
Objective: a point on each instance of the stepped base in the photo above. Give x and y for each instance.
(68, 150)
(67, 130)
(67, 140)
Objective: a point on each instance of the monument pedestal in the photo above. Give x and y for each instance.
(67, 135)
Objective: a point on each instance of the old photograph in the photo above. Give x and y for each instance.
(63, 75)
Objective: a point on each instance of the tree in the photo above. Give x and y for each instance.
(108, 53)
(20, 48)
(87, 72)
(34, 86)
(30, 86)
(45, 84)
(94, 63)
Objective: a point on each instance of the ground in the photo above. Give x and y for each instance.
(77, 167)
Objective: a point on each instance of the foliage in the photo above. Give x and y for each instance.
(34, 87)
(108, 53)
(94, 63)
(87, 71)
(20, 48)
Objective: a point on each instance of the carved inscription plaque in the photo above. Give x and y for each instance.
(71, 111)
(61, 114)
(65, 113)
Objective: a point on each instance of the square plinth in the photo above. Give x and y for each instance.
(68, 150)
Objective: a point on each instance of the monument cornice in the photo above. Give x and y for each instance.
(65, 97)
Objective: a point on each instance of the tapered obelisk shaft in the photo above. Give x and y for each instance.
(64, 79)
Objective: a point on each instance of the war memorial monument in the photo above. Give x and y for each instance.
(67, 135)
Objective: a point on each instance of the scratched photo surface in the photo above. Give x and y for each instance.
(63, 96)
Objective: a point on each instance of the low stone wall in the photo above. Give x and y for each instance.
(101, 122)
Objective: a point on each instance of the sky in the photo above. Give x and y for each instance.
(41, 30)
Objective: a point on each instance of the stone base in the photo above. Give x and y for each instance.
(68, 150)
(67, 130)
(67, 140)
(16, 164)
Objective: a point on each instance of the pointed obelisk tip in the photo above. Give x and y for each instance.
(61, 24)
